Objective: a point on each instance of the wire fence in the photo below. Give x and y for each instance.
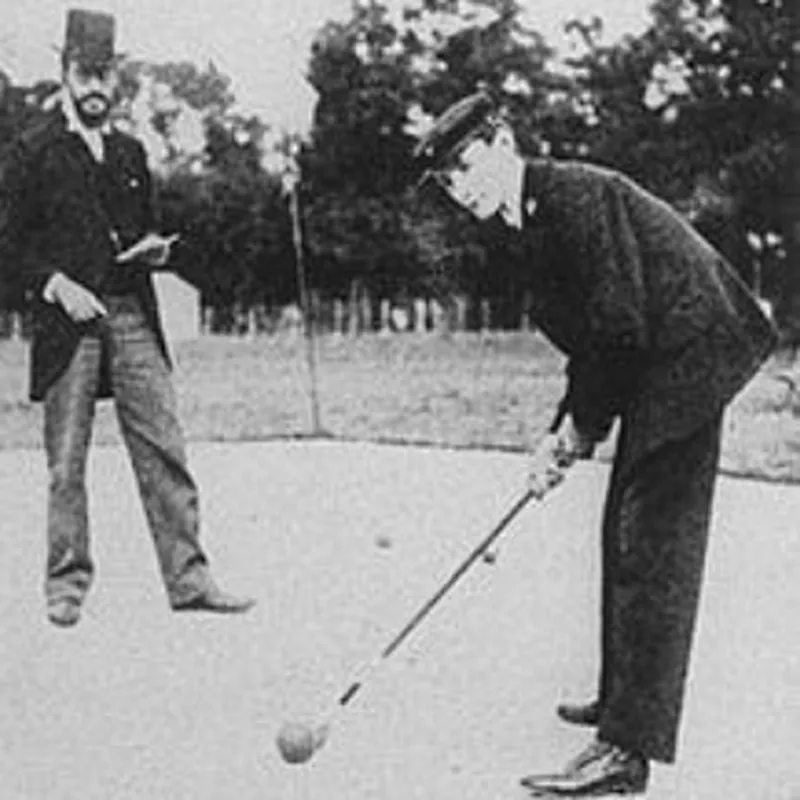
(335, 316)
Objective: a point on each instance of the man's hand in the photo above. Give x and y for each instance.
(554, 455)
(153, 249)
(545, 469)
(80, 304)
(575, 444)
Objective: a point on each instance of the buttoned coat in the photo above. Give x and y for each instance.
(657, 326)
(661, 333)
(54, 218)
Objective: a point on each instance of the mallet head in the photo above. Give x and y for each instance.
(298, 741)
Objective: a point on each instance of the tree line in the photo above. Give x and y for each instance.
(700, 107)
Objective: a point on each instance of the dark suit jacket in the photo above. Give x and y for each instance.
(54, 217)
(657, 326)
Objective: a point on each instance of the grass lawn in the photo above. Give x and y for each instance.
(496, 391)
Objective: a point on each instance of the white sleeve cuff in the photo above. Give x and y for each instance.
(49, 293)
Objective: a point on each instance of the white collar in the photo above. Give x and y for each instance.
(511, 211)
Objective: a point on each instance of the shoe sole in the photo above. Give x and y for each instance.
(588, 722)
(210, 609)
(64, 621)
(599, 791)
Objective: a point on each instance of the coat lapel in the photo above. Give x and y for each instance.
(81, 170)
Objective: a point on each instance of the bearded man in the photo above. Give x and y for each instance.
(77, 227)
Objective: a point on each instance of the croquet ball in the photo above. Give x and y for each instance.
(384, 542)
(490, 556)
(296, 742)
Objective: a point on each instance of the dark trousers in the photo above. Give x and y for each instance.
(145, 405)
(655, 532)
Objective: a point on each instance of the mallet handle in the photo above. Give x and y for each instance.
(354, 687)
(457, 574)
(350, 693)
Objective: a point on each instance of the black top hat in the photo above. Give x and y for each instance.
(453, 128)
(89, 38)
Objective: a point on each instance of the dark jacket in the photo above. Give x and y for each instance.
(655, 323)
(55, 216)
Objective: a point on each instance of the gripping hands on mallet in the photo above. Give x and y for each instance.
(554, 455)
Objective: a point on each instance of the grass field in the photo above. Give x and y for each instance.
(494, 391)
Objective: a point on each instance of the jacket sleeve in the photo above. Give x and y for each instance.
(603, 370)
(182, 260)
(21, 267)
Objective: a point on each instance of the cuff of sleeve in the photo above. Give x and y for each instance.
(592, 413)
(50, 286)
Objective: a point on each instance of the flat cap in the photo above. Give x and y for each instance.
(453, 127)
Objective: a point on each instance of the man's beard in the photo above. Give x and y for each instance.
(92, 118)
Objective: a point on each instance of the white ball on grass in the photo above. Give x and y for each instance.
(298, 741)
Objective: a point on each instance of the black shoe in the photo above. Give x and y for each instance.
(64, 613)
(588, 714)
(217, 601)
(601, 769)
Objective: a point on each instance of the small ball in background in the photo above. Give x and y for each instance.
(383, 541)
(489, 556)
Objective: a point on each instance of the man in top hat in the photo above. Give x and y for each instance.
(77, 224)
(660, 334)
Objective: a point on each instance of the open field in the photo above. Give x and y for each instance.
(137, 703)
(495, 391)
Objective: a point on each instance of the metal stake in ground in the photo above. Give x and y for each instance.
(298, 741)
(292, 185)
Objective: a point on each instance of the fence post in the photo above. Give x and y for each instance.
(486, 315)
(420, 315)
(386, 313)
(252, 323)
(365, 315)
(338, 317)
(354, 307)
(16, 325)
(525, 321)
(456, 312)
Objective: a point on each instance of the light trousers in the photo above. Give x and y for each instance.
(145, 405)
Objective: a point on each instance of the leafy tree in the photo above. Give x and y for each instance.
(719, 108)
(374, 75)
(206, 90)
(212, 183)
(234, 215)
(20, 107)
(356, 164)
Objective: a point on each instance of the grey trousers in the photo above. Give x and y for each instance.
(655, 533)
(146, 409)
